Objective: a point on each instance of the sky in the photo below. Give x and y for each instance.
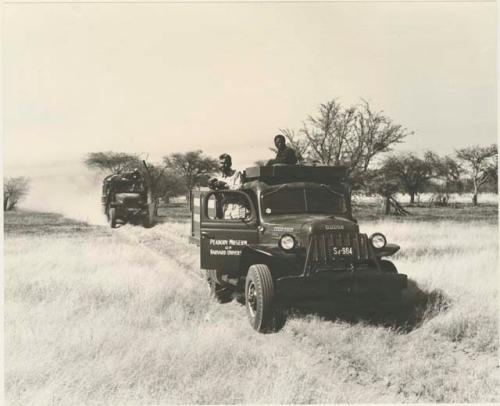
(162, 78)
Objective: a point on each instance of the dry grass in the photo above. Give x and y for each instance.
(424, 198)
(124, 317)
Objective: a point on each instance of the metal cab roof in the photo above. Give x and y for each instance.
(279, 174)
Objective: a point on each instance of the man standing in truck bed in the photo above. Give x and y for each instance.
(228, 178)
(285, 155)
(229, 208)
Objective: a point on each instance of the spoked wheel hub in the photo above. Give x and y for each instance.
(252, 299)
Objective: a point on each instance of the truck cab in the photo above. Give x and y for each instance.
(288, 235)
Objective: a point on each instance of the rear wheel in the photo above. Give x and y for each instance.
(148, 218)
(112, 217)
(217, 291)
(145, 221)
(260, 300)
(152, 212)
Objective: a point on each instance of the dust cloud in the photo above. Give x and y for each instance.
(75, 194)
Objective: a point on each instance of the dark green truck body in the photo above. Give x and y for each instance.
(330, 260)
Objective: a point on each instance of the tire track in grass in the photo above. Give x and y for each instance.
(168, 240)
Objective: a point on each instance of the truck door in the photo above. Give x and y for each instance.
(228, 224)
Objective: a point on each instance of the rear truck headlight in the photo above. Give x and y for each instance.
(287, 242)
(378, 241)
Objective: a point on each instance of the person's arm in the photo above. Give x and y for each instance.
(217, 184)
(292, 157)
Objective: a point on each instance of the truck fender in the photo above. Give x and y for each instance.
(253, 255)
(387, 251)
(273, 257)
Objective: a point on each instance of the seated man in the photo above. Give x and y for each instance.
(285, 155)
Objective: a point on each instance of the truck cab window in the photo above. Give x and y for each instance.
(227, 205)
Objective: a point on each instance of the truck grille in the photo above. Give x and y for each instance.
(354, 245)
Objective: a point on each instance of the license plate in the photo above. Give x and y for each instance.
(342, 251)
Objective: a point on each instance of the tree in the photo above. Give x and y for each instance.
(351, 136)
(374, 134)
(193, 167)
(260, 162)
(493, 174)
(14, 189)
(170, 185)
(327, 132)
(162, 182)
(481, 164)
(413, 172)
(112, 162)
(450, 172)
(385, 183)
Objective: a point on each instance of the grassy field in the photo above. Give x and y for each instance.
(94, 316)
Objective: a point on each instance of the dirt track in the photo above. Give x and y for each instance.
(168, 239)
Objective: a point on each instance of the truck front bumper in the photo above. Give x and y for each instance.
(129, 211)
(341, 285)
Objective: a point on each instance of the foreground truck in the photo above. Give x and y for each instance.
(286, 237)
(127, 197)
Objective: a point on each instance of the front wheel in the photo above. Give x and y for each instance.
(388, 266)
(260, 300)
(112, 217)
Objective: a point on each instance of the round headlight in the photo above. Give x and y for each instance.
(287, 242)
(378, 240)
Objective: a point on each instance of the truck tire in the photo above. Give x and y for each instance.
(395, 297)
(112, 217)
(145, 221)
(260, 300)
(220, 293)
(148, 220)
(152, 215)
(388, 266)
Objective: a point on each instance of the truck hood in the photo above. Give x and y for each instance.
(305, 225)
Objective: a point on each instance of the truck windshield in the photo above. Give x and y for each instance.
(284, 200)
(128, 186)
